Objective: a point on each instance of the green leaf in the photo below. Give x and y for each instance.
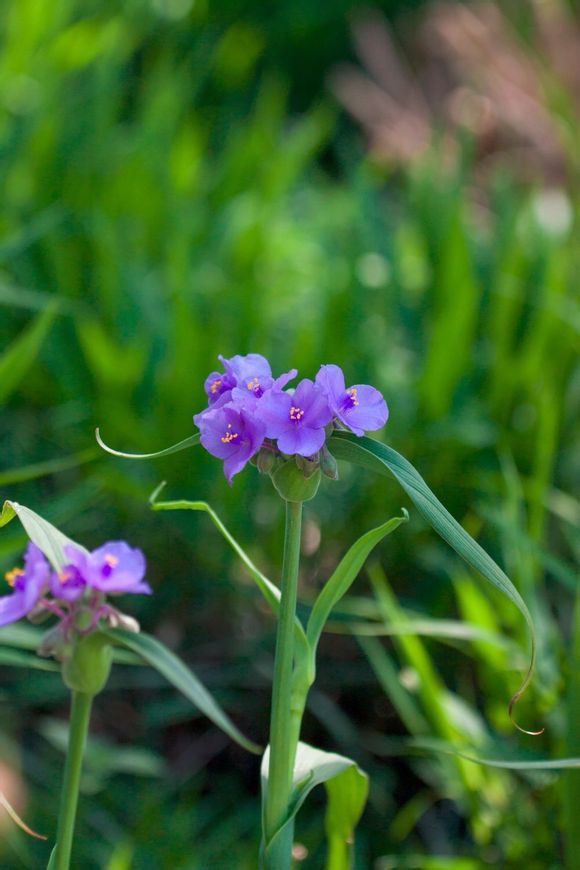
(514, 761)
(268, 589)
(346, 787)
(18, 659)
(180, 676)
(48, 538)
(175, 448)
(20, 356)
(377, 457)
(344, 575)
(21, 635)
(52, 860)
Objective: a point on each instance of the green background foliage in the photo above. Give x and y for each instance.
(179, 182)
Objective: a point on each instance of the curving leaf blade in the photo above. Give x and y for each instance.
(46, 536)
(179, 675)
(344, 575)
(175, 448)
(346, 788)
(381, 459)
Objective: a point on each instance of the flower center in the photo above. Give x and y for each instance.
(296, 413)
(110, 563)
(254, 385)
(228, 435)
(64, 575)
(352, 399)
(12, 576)
(215, 386)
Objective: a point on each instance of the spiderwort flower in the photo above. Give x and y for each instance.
(360, 408)
(114, 568)
(296, 419)
(249, 374)
(231, 431)
(28, 584)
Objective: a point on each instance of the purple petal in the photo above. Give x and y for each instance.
(116, 567)
(13, 607)
(273, 410)
(363, 409)
(282, 380)
(302, 440)
(330, 379)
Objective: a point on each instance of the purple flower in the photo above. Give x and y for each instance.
(28, 584)
(113, 568)
(360, 408)
(250, 374)
(69, 583)
(216, 384)
(297, 418)
(231, 432)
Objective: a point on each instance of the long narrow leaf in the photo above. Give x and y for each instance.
(179, 675)
(175, 448)
(344, 575)
(379, 458)
(48, 538)
(471, 753)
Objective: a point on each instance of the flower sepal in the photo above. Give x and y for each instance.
(87, 664)
(291, 483)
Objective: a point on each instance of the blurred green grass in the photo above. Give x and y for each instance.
(164, 201)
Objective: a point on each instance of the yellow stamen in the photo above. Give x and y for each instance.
(352, 393)
(63, 576)
(11, 576)
(229, 436)
(253, 385)
(214, 387)
(296, 413)
(111, 560)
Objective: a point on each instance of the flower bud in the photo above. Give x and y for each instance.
(265, 461)
(291, 484)
(307, 464)
(86, 668)
(328, 464)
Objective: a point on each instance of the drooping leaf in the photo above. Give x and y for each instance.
(48, 538)
(175, 448)
(381, 459)
(268, 589)
(346, 787)
(179, 675)
(21, 354)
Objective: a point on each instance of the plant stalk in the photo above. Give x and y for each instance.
(79, 724)
(284, 732)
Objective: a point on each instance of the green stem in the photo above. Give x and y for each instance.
(283, 731)
(78, 728)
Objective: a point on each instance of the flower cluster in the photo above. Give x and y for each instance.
(248, 409)
(81, 584)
